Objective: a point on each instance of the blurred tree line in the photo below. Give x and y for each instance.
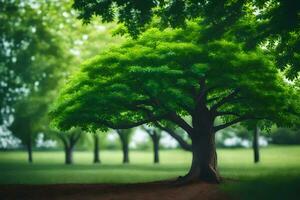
(41, 43)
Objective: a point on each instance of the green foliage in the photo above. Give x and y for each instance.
(42, 44)
(285, 136)
(29, 118)
(159, 74)
(275, 22)
(25, 41)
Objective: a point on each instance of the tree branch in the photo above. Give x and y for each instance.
(181, 123)
(212, 99)
(237, 120)
(227, 113)
(183, 144)
(224, 100)
(63, 139)
(148, 131)
(128, 125)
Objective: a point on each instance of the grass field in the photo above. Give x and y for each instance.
(276, 177)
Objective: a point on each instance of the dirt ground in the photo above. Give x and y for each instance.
(142, 191)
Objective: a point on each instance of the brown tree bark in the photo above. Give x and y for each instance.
(204, 160)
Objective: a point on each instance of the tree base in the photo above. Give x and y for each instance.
(211, 176)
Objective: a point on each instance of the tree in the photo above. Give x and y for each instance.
(23, 125)
(124, 136)
(69, 140)
(155, 135)
(166, 75)
(96, 148)
(285, 136)
(251, 131)
(25, 39)
(256, 144)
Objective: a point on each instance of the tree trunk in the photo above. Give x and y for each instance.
(204, 162)
(155, 139)
(125, 152)
(256, 144)
(69, 155)
(29, 150)
(96, 149)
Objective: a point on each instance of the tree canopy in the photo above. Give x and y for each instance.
(159, 76)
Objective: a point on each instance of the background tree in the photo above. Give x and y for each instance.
(25, 40)
(124, 135)
(167, 75)
(69, 140)
(285, 136)
(155, 135)
(38, 55)
(28, 121)
(96, 139)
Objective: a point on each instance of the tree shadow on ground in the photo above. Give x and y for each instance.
(266, 187)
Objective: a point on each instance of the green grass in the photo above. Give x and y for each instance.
(276, 177)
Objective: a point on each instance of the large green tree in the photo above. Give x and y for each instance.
(165, 76)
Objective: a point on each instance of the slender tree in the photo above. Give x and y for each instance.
(96, 148)
(69, 140)
(155, 136)
(165, 76)
(124, 135)
(256, 144)
(29, 120)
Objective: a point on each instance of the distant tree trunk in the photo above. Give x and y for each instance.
(156, 151)
(256, 144)
(96, 149)
(29, 150)
(69, 155)
(155, 139)
(125, 152)
(125, 145)
(69, 142)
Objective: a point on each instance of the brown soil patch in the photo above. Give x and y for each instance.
(142, 191)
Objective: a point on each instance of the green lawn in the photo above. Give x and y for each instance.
(276, 177)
